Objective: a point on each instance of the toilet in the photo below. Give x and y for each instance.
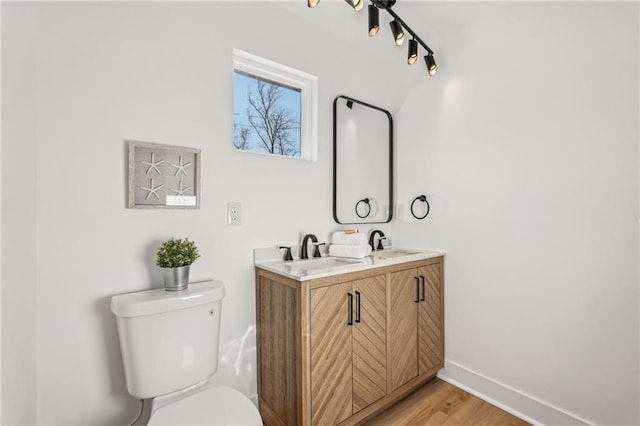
(169, 343)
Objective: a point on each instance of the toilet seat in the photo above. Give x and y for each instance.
(217, 405)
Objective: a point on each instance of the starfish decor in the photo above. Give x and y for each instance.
(180, 191)
(181, 167)
(153, 165)
(153, 190)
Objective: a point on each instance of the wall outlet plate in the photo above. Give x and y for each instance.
(234, 213)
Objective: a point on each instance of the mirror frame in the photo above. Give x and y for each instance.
(335, 160)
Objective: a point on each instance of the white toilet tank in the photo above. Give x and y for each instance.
(169, 340)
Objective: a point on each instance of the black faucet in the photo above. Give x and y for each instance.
(303, 248)
(380, 238)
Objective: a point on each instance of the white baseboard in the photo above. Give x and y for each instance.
(511, 400)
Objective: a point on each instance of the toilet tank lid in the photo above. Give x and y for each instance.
(150, 302)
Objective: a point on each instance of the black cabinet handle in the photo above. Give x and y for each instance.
(357, 306)
(350, 299)
(417, 290)
(422, 298)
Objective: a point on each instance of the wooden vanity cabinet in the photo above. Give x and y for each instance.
(339, 349)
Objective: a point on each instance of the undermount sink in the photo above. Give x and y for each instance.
(392, 253)
(323, 262)
(320, 264)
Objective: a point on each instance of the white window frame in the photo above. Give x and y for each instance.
(287, 76)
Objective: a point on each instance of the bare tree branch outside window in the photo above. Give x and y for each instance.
(270, 122)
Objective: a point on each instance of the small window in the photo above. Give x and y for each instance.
(274, 108)
(266, 116)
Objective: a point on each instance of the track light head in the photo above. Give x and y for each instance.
(356, 4)
(374, 20)
(396, 30)
(413, 52)
(432, 68)
(312, 3)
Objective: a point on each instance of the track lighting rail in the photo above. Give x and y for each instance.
(398, 26)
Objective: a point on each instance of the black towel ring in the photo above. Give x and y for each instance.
(422, 198)
(366, 202)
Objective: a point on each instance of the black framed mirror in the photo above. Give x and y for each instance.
(362, 162)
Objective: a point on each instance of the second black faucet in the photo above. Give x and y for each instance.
(380, 238)
(304, 253)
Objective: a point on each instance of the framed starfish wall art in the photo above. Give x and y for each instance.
(163, 176)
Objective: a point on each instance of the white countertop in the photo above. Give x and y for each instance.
(328, 266)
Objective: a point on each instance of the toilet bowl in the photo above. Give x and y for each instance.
(169, 343)
(213, 405)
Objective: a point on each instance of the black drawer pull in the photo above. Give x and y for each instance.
(417, 290)
(357, 306)
(422, 298)
(350, 300)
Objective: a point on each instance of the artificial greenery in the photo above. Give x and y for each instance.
(176, 252)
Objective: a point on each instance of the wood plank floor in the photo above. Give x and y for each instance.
(440, 403)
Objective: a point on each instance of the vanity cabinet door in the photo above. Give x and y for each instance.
(369, 341)
(348, 348)
(403, 333)
(430, 320)
(416, 324)
(331, 354)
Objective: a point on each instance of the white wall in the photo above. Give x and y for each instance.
(530, 162)
(157, 72)
(18, 216)
(526, 144)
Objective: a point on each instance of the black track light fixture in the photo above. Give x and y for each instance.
(432, 68)
(413, 52)
(356, 4)
(398, 28)
(374, 20)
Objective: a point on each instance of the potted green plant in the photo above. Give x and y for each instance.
(175, 257)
